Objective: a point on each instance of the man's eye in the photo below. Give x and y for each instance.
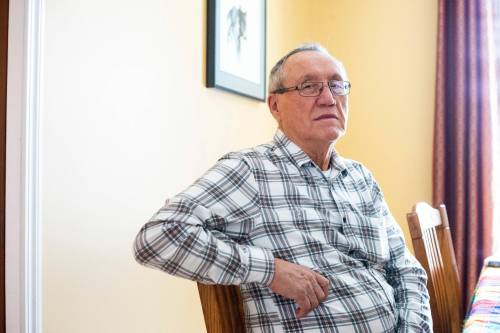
(310, 86)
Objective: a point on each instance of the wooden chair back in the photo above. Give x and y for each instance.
(222, 308)
(432, 243)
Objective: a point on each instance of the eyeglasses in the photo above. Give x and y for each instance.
(313, 89)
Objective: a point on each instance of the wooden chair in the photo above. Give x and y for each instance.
(222, 308)
(432, 243)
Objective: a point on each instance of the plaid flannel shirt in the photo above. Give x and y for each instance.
(271, 202)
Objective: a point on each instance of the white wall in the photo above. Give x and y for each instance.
(127, 122)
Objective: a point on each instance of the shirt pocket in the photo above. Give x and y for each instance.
(372, 232)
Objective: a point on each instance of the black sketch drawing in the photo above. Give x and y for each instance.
(237, 30)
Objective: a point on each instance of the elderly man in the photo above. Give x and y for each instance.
(305, 233)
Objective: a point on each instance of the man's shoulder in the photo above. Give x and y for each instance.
(257, 153)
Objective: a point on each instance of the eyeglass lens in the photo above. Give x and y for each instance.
(338, 88)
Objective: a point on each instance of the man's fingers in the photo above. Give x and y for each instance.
(321, 279)
(304, 306)
(324, 283)
(316, 294)
(319, 291)
(310, 297)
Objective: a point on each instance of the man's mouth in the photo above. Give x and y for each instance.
(327, 116)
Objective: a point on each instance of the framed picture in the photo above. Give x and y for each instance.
(236, 46)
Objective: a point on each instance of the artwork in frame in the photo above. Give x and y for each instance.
(236, 46)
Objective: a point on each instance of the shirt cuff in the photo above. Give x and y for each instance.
(260, 265)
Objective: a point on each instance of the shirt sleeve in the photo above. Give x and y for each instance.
(200, 233)
(404, 273)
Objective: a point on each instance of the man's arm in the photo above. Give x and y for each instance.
(409, 280)
(404, 273)
(193, 235)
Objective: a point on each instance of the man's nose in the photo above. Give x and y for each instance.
(326, 96)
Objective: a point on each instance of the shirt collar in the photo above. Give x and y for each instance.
(339, 166)
(290, 149)
(300, 158)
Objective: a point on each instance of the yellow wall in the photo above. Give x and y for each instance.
(389, 50)
(127, 121)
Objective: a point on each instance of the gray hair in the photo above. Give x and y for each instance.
(277, 75)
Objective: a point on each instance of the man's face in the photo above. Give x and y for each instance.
(310, 121)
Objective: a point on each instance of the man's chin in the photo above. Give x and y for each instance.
(334, 135)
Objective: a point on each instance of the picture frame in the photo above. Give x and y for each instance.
(236, 46)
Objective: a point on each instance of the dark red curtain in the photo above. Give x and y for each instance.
(462, 136)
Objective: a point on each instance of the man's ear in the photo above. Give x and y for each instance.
(272, 102)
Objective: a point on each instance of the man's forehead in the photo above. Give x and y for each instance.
(308, 65)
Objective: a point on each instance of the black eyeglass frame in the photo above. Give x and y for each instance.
(300, 87)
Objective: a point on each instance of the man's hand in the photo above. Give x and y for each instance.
(306, 287)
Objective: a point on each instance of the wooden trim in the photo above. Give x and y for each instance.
(4, 24)
(31, 178)
(23, 230)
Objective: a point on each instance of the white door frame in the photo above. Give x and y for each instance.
(23, 237)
